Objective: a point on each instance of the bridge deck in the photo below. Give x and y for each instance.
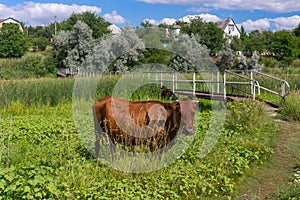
(211, 96)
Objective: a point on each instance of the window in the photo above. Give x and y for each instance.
(231, 27)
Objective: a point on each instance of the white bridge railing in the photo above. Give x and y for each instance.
(218, 83)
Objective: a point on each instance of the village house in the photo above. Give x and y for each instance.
(229, 27)
(11, 20)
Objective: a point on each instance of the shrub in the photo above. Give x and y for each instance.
(246, 116)
(290, 108)
(40, 43)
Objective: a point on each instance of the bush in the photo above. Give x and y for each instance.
(290, 108)
(28, 66)
(246, 116)
(39, 44)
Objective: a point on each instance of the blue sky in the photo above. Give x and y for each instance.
(252, 14)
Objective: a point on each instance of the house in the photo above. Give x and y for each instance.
(11, 20)
(114, 29)
(229, 27)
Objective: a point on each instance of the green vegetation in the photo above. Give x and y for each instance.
(42, 155)
(13, 43)
(290, 108)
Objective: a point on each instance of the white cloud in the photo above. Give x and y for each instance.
(168, 21)
(199, 9)
(279, 6)
(33, 13)
(273, 24)
(114, 18)
(206, 17)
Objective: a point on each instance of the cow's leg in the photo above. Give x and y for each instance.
(97, 133)
(97, 144)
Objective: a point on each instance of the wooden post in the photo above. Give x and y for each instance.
(251, 82)
(173, 82)
(224, 82)
(194, 84)
(218, 82)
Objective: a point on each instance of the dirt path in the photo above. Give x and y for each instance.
(267, 179)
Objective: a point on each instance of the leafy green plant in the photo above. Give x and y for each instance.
(246, 116)
(290, 108)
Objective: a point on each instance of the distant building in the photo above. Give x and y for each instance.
(176, 29)
(229, 27)
(11, 20)
(114, 29)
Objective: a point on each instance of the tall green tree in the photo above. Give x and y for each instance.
(96, 23)
(207, 33)
(285, 47)
(13, 42)
(297, 31)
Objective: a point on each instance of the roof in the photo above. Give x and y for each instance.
(9, 18)
(223, 23)
(176, 26)
(114, 29)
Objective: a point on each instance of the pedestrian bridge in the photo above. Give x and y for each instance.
(225, 86)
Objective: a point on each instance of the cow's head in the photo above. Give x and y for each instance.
(187, 109)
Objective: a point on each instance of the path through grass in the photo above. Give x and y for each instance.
(265, 181)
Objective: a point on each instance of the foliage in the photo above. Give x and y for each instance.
(39, 43)
(297, 31)
(290, 108)
(123, 49)
(43, 157)
(195, 56)
(13, 42)
(96, 23)
(285, 47)
(152, 36)
(76, 44)
(225, 58)
(248, 116)
(207, 33)
(29, 66)
(39, 32)
(36, 91)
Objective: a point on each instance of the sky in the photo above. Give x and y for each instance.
(271, 15)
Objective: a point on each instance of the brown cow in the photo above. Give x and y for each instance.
(153, 123)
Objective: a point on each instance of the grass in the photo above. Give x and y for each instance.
(274, 179)
(290, 108)
(43, 157)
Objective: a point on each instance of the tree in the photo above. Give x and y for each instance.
(225, 58)
(75, 45)
(285, 47)
(236, 44)
(13, 42)
(114, 53)
(39, 43)
(297, 31)
(207, 33)
(146, 24)
(190, 55)
(96, 23)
